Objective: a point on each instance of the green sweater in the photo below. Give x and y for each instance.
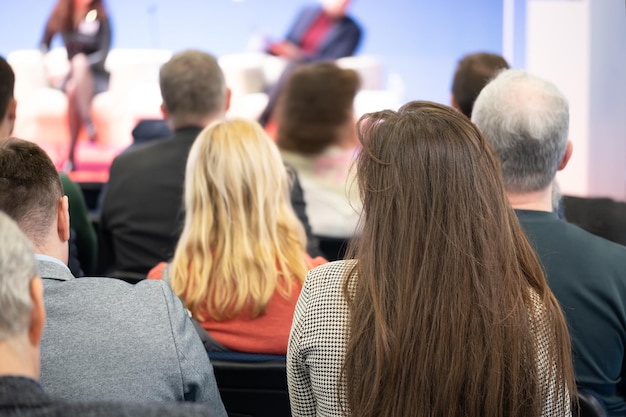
(588, 276)
(86, 239)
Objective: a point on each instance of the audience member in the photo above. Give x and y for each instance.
(8, 104)
(526, 119)
(83, 234)
(142, 216)
(22, 321)
(241, 258)
(86, 32)
(104, 339)
(316, 136)
(320, 33)
(446, 311)
(472, 73)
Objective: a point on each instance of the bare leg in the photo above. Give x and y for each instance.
(79, 90)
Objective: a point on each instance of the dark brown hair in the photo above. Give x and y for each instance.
(473, 72)
(7, 84)
(62, 18)
(317, 100)
(442, 319)
(30, 187)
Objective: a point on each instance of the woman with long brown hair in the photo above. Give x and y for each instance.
(86, 32)
(445, 310)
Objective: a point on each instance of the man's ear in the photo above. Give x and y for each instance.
(38, 313)
(568, 154)
(164, 112)
(227, 98)
(453, 102)
(63, 219)
(12, 109)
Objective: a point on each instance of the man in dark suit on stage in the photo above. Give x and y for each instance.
(22, 319)
(319, 33)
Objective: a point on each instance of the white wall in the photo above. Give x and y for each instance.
(580, 45)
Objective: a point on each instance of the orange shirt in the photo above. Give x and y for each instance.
(268, 333)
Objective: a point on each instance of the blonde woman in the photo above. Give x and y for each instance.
(240, 262)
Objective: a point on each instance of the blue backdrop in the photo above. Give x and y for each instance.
(419, 40)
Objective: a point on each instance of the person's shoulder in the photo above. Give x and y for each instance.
(587, 248)
(329, 276)
(96, 290)
(103, 409)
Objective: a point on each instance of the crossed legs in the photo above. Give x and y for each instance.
(79, 88)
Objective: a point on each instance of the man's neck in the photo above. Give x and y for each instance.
(199, 122)
(538, 200)
(18, 359)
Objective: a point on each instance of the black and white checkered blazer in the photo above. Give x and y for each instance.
(318, 342)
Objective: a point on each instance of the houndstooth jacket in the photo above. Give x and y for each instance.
(318, 342)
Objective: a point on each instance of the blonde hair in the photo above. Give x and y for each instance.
(241, 239)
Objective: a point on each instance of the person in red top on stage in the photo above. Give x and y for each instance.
(240, 262)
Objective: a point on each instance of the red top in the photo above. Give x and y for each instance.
(268, 333)
(316, 33)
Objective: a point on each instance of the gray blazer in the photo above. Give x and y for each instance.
(23, 397)
(107, 340)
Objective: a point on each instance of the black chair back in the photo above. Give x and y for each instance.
(253, 389)
(588, 405)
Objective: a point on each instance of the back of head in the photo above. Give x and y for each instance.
(472, 73)
(7, 84)
(239, 223)
(316, 103)
(444, 276)
(192, 86)
(30, 187)
(526, 120)
(17, 269)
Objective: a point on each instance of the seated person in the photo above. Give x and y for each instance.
(86, 32)
(444, 310)
(473, 72)
(526, 120)
(320, 33)
(104, 340)
(241, 259)
(22, 319)
(316, 136)
(134, 239)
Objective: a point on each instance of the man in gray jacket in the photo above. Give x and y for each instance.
(104, 340)
(22, 319)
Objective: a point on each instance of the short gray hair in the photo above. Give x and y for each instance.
(192, 85)
(17, 268)
(526, 120)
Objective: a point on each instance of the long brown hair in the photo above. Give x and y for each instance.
(444, 315)
(62, 17)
